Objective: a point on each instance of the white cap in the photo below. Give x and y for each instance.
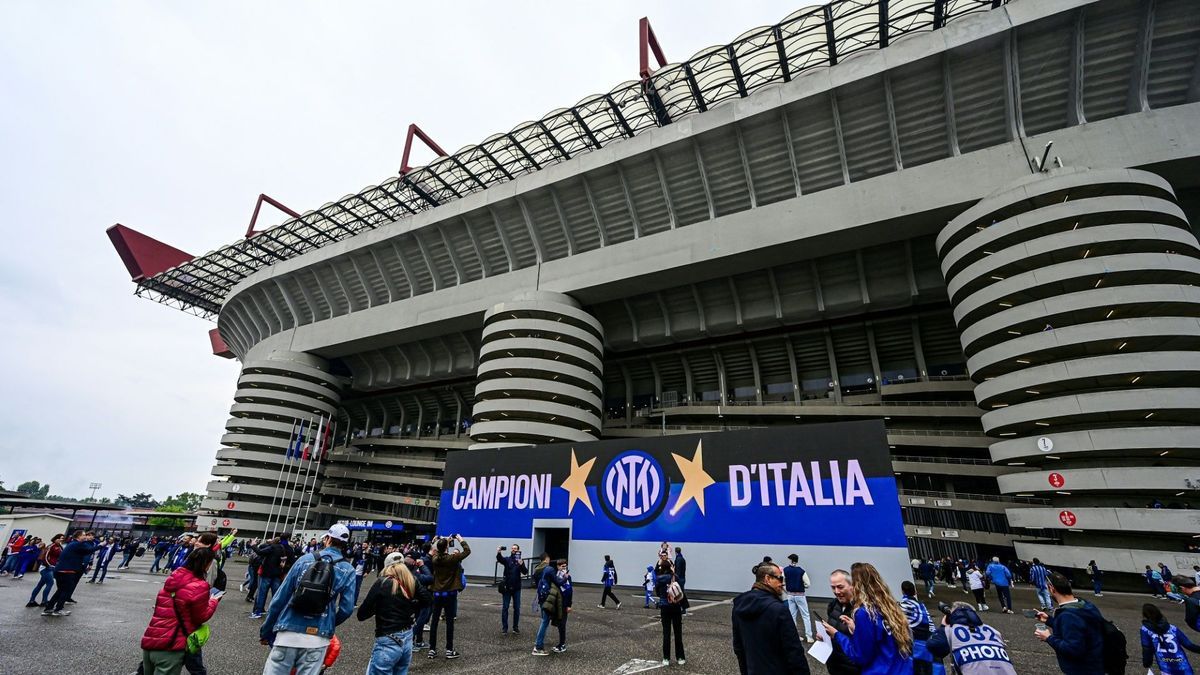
(392, 559)
(339, 531)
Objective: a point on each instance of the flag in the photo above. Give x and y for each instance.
(309, 449)
(328, 434)
(294, 448)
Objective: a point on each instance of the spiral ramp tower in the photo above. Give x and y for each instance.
(540, 373)
(274, 395)
(1077, 295)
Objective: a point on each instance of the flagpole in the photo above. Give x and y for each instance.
(290, 483)
(311, 457)
(324, 449)
(278, 478)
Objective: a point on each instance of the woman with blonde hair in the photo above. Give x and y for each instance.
(394, 601)
(880, 641)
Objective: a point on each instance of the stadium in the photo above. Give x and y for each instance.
(967, 218)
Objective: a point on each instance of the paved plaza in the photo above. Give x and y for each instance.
(101, 636)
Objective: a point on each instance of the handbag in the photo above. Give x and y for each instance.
(196, 638)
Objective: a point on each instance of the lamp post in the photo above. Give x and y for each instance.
(95, 512)
(93, 487)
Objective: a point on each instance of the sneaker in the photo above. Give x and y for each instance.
(560, 649)
(539, 652)
(255, 615)
(1099, 595)
(504, 632)
(90, 581)
(618, 605)
(666, 662)
(47, 612)
(19, 576)
(432, 654)
(451, 654)
(1008, 611)
(681, 662)
(516, 631)
(421, 645)
(602, 607)
(62, 612)
(100, 582)
(31, 604)
(71, 602)
(808, 639)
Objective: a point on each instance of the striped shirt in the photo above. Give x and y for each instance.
(1038, 574)
(916, 613)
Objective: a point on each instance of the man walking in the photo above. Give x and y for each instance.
(302, 617)
(1002, 578)
(447, 582)
(510, 587)
(69, 570)
(1039, 576)
(1097, 576)
(795, 584)
(160, 551)
(1191, 600)
(1075, 632)
(276, 557)
(764, 640)
(927, 574)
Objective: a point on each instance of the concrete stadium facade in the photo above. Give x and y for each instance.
(878, 238)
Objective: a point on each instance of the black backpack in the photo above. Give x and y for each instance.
(1115, 654)
(315, 588)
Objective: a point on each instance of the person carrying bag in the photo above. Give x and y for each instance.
(181, 610)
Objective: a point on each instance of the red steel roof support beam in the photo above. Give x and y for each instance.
(144, 256)
(218, 345)
(648, 41)
(250, 232)
(414, 130)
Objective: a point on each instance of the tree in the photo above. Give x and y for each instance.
(34, 489)
(190, 501)
(163, 521)
(90, 500)
(141, 500)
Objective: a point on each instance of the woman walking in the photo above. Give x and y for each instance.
(394, 600)
(880, 641)
(182, 606)
(975, 581)
(48, 559)
(609, 577)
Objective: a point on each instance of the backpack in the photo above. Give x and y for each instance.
(1115, 653)
(674, 593)
(314, 590)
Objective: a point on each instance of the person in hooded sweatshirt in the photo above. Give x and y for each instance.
(1075, 632)
(880, 641)
(765, 639)
(1161, 643)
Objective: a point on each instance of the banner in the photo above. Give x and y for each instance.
(814, 485)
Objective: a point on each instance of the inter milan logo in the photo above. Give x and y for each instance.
(634, 489)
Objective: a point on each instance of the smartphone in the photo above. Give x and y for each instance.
(215, 593)
(817, 616)
(503, 548)
(1029, 613)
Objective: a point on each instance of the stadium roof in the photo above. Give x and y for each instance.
(809, 38)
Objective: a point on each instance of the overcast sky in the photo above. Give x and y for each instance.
(171, 118)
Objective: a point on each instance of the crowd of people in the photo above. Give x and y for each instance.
(302, 591)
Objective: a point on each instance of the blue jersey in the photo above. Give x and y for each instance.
(1167, 648)
(1038, 574)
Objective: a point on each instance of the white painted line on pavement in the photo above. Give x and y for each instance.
(637, 666)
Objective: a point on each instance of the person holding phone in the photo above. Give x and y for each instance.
(510, 587)
(184, 603)
(972, 645)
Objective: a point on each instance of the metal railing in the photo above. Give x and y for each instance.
(828, 402)
(936, 432)
(974, 497)
(941, 460)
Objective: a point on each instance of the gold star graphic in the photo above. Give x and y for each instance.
(694, 479)
(576, 483)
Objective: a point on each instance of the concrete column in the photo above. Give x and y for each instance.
(540, 376)
(275, 394)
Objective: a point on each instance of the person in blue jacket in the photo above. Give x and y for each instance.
(510, 587)
(1164, 643)
(69, 570)
(608, 576)
(160, 552)
(1075, 632)
(1002, 578)
(880, 642)
(104, 556)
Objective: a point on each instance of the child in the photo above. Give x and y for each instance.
(1162, 642)
(648, 584)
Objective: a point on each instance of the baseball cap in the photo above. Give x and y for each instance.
(339, 531)
(392, 559)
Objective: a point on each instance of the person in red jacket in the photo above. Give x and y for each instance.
(183, 605)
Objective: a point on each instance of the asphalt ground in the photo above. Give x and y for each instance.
(102, 634)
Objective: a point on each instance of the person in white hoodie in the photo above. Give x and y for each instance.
(975, 582)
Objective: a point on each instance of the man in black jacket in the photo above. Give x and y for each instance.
(764, 634)
(277, 557)
(510, 587)
(842, 604)
(69, 570)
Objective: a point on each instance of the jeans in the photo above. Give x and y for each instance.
(929, 584)
(282, 660)
(672, 619)
(651, 601)
(102, 570)
(420, 622)
(265, 584)
(449, 605)
(1005, 595)
(251, 581)
(798, 603)
(66, 582)
(10, 564)
(45, 584)
(1043, 595)
(540, 640)
(127, 559)
(357, 586)
(392, 654)
(515, 599)
(1096, 586)
(157, 562)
